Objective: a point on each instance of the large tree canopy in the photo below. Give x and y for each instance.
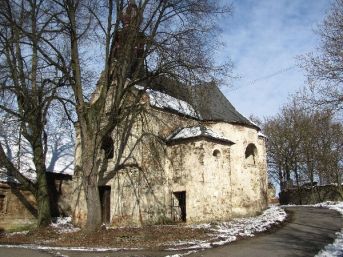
(325, 67)
(52, 50)
(304, 146)
(28, 86)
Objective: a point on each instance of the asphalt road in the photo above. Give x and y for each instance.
(307, 231)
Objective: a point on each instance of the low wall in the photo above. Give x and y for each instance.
(18, 207)
(310, 195)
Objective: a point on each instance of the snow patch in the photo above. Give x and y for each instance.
(77, 249)
(260, 134)
(25, 232)
(336, 248)
(196, 131)
(181, 254)
(226, 232)
(164, 101)
(64, 225)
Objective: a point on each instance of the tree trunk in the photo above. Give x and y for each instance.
(90, 183)
(42, 194)
(309, 165)
(93, 205)
(88, 129)
(298, 184)
(281, 179)
(339, 184)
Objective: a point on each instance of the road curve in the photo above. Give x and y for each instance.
(308, 230)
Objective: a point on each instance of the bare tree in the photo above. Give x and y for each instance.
(305, 146)
(141, 41)
(324, 70)
(329, 149)
(28, 86)
(283, 147)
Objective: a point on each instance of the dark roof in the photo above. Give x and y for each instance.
(206, 99)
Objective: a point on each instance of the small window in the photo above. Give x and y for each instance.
(216, 153)
(107, 145)
(250, 154)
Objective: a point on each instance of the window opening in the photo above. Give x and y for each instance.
(107, 146)
(216, 153)
(250, 154)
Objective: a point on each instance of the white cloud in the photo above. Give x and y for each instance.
(263, 38)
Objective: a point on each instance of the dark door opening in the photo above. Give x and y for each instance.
(105, 202)
(179, 206)
(2, 203)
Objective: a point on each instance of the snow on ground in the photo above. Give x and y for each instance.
(64, 225)
(222, 233)
(182, 254)
(25, 232)
(77, 249)
(225, 232)
(336, 248)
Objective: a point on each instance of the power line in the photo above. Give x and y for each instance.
(276, 73)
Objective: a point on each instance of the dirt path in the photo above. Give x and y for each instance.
(308, 231)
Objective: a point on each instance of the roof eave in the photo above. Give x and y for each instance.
(175, 112)
(182, 140)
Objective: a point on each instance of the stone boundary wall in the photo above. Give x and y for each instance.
(310, 195)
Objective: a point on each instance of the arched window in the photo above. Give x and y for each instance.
(216, 153)
(107, 145)
(250, 154)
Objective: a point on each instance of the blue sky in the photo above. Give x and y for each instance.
(263, 39)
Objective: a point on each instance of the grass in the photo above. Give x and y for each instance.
(19, 227)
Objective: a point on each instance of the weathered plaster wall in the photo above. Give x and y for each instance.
(217, 187)
(138, 198)
(249, 181)
(141, 195)
(205, 179)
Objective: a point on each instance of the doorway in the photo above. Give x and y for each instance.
(105, 202)
(179, 206)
